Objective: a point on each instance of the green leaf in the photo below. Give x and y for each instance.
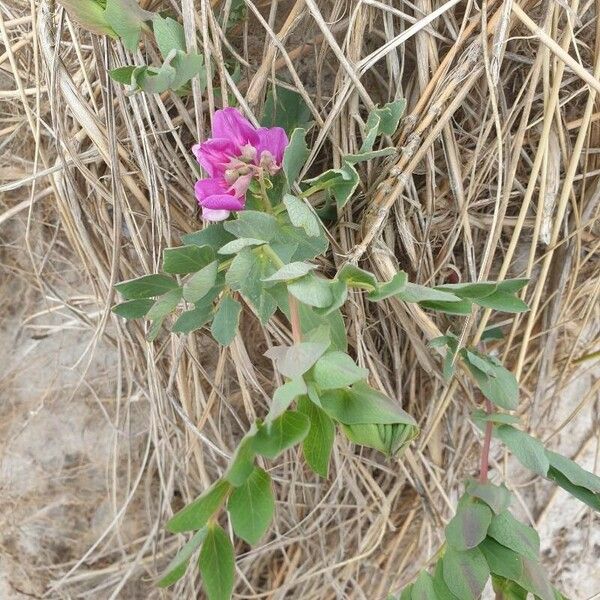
(497, 497)
(123, 74)
(308, 247)
(465, 572)
(312, 290)
(285, 395)
(127, 19)
(293, 361)
(469, 526)
(169, 35)
(217, 564)
(295, 155)
(187, 66)
(413, 292)
(176, 568)
(357, 277)
(225, 323)
(302, 216)
(200, 283)
(391, 288)
(253, 224)
(291, 271)
(251, 506)
(513, 534)
(242, 462)
(509, 589)
(192, 320)
(285, 108)
(381, 120)
(339, 294)
(462, 308)
(235, 246)
(363, 404)
(503, 302)
(495, 417)
(283, 432)
(154, 329)
(318, 443)
(166, 304)
(147, 286)
(573, 472)
(535, 580)
(581, 493)
(469, 290)
(389, 116)
(196, 514)
(390, 439)
(423, 587)
(439, 585)
(246, 273)
(187, 259)
(154, 80)
(492, 333)
(310, 320)
(496, 383)
(510, 286)
(501, 560)
(133, 309)
(214, 235)
(89, 14)
(340, 182)
(335, 370)
(528, 450)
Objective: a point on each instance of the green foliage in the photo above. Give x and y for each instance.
(187, 259)
(225, 323)
(295, 156)
(200, 283)
(465, 572)
(196, 514)
(217, 564)
(497, 497)
(148, 286)
(301, 215)
(469, 526)
(292, 361)
(251, 506)
(318, 443)
(283, 432)
(133, 309)
(341, 183)
(90, 15)
(336, 370)
(527, 449)
(285, 108)
(127, 20)
(175, 570)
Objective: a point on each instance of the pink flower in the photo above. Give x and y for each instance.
(236, 154)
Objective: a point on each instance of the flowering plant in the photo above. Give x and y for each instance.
(235, 156)
(266, 259)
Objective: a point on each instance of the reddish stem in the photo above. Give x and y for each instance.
(485, 449)
(295, 319)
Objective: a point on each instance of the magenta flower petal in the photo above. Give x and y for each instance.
(210, 187)
(273, 140)
(229, 124)
(214, 215)
(223, 202)
(215, 154)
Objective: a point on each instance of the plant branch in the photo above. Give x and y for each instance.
(295, 319)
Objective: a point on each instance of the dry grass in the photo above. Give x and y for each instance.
(497, 175)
